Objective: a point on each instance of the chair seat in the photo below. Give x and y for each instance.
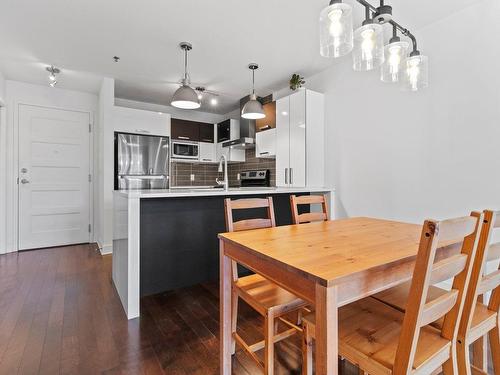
(264, 295)
(369, 333)
(482, 321)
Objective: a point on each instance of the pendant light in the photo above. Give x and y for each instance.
(336, 31)
(368, 51)
(395, 59)
(185, 97)
(253, 109)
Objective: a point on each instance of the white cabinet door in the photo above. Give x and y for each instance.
(137, 121)
(54, 188)
(207, 152)
(265, 144)
(282, 141)
(297, 172)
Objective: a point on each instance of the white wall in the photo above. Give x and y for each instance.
(3, 167)
(435, 153)
(24, 93)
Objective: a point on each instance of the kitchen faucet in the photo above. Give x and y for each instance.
(225, 182)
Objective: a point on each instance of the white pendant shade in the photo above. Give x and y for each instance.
(395, 62)
(336, 33)
(368, 51)
(253, 109)
(185, 98)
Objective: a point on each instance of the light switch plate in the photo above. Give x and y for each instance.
(238, 177)
(192, 177)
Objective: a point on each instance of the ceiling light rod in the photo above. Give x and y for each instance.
(186, 47)
(402, 29)
(253, 67)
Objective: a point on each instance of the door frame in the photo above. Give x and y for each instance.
(14, 216)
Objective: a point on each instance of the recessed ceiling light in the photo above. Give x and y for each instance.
(213, 101)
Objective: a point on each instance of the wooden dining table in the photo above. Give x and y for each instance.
(329, 264)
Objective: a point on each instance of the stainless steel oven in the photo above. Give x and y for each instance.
(185, 150)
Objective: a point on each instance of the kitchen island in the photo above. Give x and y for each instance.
(167, 239)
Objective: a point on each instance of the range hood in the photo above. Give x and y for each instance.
(247, 127)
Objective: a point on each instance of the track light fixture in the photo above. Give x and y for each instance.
(398, 64)
(52, 75)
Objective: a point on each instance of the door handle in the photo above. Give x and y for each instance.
(24, 181)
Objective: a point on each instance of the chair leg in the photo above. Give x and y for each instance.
(494, 336)
(234, 320)
(480, 353)
(463, 357)
(450, 367)
(269, 343)
(307, 360)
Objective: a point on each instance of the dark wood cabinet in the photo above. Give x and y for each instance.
(224, 131)
(269, 121)
(195, 131)
(206, 132)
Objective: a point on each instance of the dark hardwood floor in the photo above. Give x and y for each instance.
(60, 314)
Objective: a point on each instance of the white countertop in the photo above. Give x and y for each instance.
(208, 192)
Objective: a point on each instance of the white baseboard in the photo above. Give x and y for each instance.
(105, 249)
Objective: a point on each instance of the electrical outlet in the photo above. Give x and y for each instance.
(238, 177)
(192, 177)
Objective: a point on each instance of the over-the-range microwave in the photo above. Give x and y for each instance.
(185, 150)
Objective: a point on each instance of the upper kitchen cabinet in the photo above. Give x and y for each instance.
(268, 122)
(265, 144)
(207, 132)
(185, 130)
(229, 130)
(138, 121)
(300, 144)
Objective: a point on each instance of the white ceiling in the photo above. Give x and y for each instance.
(81, 36)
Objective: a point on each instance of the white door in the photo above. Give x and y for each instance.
(54, 187)
(298, 139)
(282, 141)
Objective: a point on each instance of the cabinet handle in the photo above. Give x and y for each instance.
(182, 137)
(207, 159)
(264, 153)
(286, 176)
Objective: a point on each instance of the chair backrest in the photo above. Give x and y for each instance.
(480, 282)
(249, 223)
(308, 217)
(430, 269)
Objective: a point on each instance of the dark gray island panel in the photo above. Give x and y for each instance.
(178, 241)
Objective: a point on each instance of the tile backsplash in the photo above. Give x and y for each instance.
(205, 174)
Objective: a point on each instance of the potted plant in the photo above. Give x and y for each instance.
(296, 82)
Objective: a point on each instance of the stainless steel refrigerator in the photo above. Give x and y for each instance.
(141, 161)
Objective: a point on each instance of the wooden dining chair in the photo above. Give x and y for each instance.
(478, 320)
(296, 201)
(380, 339)
(267, 298)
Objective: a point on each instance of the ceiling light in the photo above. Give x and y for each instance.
(253, 109)
(367, 43)
(416, 74)
(395, 59)
(336, 29)
(185, 97)
(368, 51)
(52, 75)
(213, 101)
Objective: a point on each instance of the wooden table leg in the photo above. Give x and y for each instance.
(225, 311)
(326, 331)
